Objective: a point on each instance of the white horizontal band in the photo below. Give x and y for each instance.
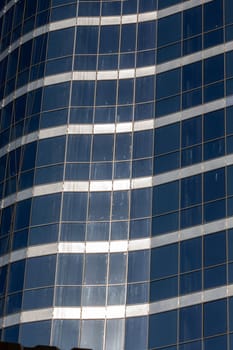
(117, 311)
(117, 185)
(115, 74)
(116, 128)
(121, 246)
(96, 21)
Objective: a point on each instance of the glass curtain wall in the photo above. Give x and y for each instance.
(116, 174)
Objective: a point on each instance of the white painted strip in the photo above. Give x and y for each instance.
(96, 21)
(118, 311)
(121, 246)
(117, 185)
(121, 74)
(110, 128)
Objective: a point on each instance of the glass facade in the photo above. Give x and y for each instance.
(116, 174)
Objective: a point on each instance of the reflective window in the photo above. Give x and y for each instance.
(95, 269)
(40, 271)
(164, 261)
(45, 209)
(215, 317)
(32, 334)
(70, 268)
(163, 329)
(60, 42)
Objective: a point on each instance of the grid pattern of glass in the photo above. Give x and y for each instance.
(116, 174)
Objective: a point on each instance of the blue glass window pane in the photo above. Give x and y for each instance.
(136, 333)
(215, 249)
(163, 289)
(166, 198)
(106, 92)
(140, 203)
(117, 268)
(123, 146)
(74, 206)
(192, 22)
(38, 298)
(191, 191)
(61, 43)
(92, 334)
(116, 295)
(216, 343)
(40, 271)
(215, 277)
(87, 39)
(56, 96)
(11, 334)
(168, 53)
(16, 278)
(165, 223)
(120, 205)
(214, 149)
(144, 89)
(78, 148)
(214, 211)
(142, 146)
(197, 345)
(125, 91)
(213, 15)
(213, 38)
(77, 171)
(32, 334)
(114, 335)
(190, 323)
(68, 296)
(168, 83)
(95, 269)
(101, 171)
(163, 329)
(190, 282)
(22, 215)
(65, 333)
(43, 234)
(69, 270)
(109, 39)
(146, 35)
(82, 93)
(228, 11)
(168, 105)
(190, 254)
(214, 125)
(137, 293)
(167, 138)
(230, 244)
(164, 261)
(49, 174)
(172, 22)
(99, 206)
(13, 303)
(138, 266)
(45, 209)
(191, 216)
(128, 37)
(167, 162)
(215, 317)
(102, 147)
(213, 69)
(192, 76)
(3, 275)
(214, 184)
(97, 231)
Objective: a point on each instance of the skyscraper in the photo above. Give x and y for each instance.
(116, 174)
